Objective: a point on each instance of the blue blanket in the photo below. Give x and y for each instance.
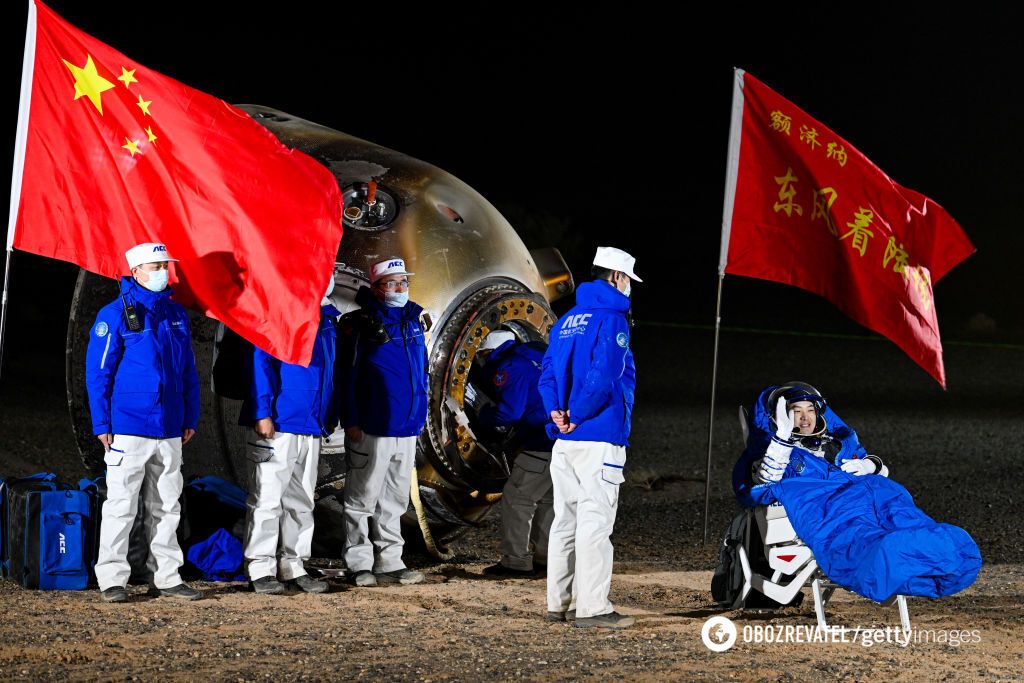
(865, 532)
(869, 537)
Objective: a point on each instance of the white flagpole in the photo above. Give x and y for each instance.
(27, 68)
(731, 172)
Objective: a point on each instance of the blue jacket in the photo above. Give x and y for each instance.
(142, 383)
(588, 368)
(382, 368)
(511, 375)
(299, 399)
(800, 460)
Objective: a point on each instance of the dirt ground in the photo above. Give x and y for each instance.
(460, 626)
(956, 451)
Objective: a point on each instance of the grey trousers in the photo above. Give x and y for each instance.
(376, 497)
(526, 511)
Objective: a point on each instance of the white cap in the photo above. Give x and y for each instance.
(616, 259)
(496, 339)
(147, 252)
(392, 266)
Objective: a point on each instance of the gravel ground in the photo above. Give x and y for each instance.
(953, 450)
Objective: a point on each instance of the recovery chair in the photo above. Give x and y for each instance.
(791, 561)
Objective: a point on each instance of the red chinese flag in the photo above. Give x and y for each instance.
(110, 154)
(805, 208)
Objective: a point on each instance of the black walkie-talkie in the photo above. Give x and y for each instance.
(134, 324)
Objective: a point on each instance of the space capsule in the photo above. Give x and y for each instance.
(474, 275)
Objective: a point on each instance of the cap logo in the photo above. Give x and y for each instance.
(395, 264)
(159, 247)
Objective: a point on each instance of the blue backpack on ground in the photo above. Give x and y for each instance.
(216, 516)
(47, 529)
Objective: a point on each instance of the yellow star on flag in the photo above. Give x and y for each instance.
(151, 134)
(144, 105)
(132, 146)
(127, 77)
(88, 82)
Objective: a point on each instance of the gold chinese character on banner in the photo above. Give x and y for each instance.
(823, 201)
(810, 136)
(781, 122)
(860, 234)
(786, 194)
(897, 254)
(922, 281)
(837, 152)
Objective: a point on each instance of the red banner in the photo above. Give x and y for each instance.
(805, 208)
(111, 154)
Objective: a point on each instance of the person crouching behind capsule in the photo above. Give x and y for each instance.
(587, 382)
(382, 370)
(289, 408)
(140, 374)
(509, 376)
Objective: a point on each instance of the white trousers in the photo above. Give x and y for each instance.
(526, 511)
(279, 509)
(152, 467)
(586, 476)
(376, 497)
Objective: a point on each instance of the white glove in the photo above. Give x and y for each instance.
(773, 465)
(783, 421)
(858, 467)
(470, 394)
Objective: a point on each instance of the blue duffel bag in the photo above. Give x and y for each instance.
(47, 533)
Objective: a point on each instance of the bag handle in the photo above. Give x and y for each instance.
(90, 484)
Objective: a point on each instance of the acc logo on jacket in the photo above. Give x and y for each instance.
(500, 378)
(101, 329)
(574, 324)
(622, 340)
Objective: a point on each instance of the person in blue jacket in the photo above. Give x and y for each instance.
(587, 383)
(289, 408)
(517, 416)
(382, 369)
(864, 530)
(143, 389)
(788, 424)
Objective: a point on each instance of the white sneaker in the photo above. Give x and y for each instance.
(405, 577)
(364, 579)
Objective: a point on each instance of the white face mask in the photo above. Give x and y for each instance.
(627, 290)
(396, 299)
(157, 281)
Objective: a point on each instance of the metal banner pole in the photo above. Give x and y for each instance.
(3, 309)
(711, 416)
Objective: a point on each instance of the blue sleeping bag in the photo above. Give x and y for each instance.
(869, 537)
(866, 533)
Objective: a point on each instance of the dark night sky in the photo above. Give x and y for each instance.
(611, 126)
